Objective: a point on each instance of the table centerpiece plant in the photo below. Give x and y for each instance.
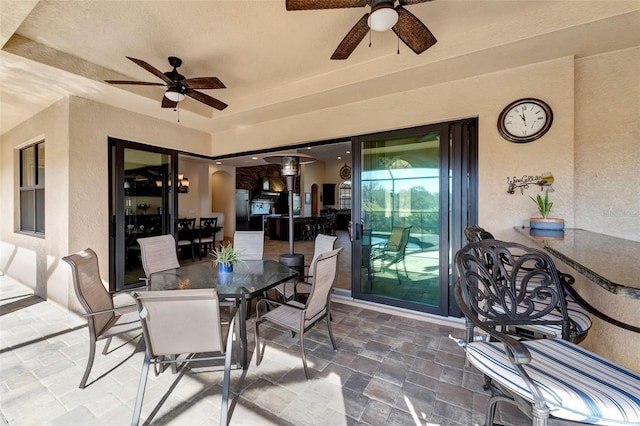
(225, 257)
(544, 207)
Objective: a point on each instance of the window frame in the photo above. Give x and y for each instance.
(33, 194)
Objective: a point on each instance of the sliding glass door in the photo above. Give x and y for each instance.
(141, 205)
(405, 215)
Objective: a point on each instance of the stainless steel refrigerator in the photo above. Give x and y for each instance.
(242, 209)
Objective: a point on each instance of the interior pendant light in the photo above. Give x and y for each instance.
(174, 95)
(383, 16)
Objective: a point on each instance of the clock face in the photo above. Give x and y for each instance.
(525, 120)
(345, 172)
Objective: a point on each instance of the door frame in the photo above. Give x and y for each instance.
(116, 203)
(458, 208)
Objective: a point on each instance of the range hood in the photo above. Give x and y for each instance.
(272, 184)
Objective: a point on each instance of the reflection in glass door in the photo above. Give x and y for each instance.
(141, 205)
(403, 210)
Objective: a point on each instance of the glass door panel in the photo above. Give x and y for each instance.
(141, 205)
(400, 216)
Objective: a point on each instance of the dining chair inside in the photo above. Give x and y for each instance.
(297, 317)
(207, 235)
(186, 235)
(178, 322)
(104, 319)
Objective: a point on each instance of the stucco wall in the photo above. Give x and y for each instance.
(607, 147)
(29, 259)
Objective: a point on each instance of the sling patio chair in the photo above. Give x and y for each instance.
(178, 322)
(158, 254)
(394, 250)
(104, 319)
(545, 378)
(298, 317)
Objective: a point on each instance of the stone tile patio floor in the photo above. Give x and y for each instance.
(388, 370)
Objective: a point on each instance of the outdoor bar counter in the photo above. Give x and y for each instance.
(612, 263)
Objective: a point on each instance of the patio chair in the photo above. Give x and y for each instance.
(183, 322)
(249, 244)
(186, 235)
(323, 244)
(544, 377)
(158, 254)
(104, 319)
(394, 251)
(579, 316)
(297, 317)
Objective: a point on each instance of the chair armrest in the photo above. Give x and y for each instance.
(126, 308)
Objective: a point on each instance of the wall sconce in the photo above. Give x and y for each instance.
(183, 184)
(546, 179)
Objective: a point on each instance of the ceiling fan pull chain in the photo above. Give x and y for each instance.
(398, 37)
(369, 38)
(178, 113)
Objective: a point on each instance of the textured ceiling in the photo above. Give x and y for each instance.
(276, 63)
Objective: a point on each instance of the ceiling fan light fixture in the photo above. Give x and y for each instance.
(383, 17)
(174, 95)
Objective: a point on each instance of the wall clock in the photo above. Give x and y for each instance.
(345, 172)
(525, 120)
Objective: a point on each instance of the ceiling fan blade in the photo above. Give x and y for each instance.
(410, 2)
(413, 32)
(151, 69)
(142, 83)
(206, 99)
(352, 39)
(203, 83)
(323, 4)
(168, 103)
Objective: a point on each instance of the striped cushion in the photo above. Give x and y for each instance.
(577, 385)
(580, 318)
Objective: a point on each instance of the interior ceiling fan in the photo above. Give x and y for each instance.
(383, 16)
(177, 85)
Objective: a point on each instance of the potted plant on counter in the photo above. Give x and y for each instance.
(545, 222)
(225, 257)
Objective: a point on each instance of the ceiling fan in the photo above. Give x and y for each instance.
(177, 85)
(383, 16)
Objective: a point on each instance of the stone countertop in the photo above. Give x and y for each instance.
(611, 262)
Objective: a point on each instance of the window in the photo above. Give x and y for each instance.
(344, 192)
(32, 188)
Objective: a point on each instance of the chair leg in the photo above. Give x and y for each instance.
(226, 384)
(258, 350)
(92, 354)
(106, 346)
(143, 383)
(333, 342)
(304, 358)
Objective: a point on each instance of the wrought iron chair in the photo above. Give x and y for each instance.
(183, 322)
(104, 319)
(158, 254)
(299, 318)
(505, 285)
(394, 250)
(186, 235)
(579, 317)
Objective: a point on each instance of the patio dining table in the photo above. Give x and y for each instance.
(250, 278)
